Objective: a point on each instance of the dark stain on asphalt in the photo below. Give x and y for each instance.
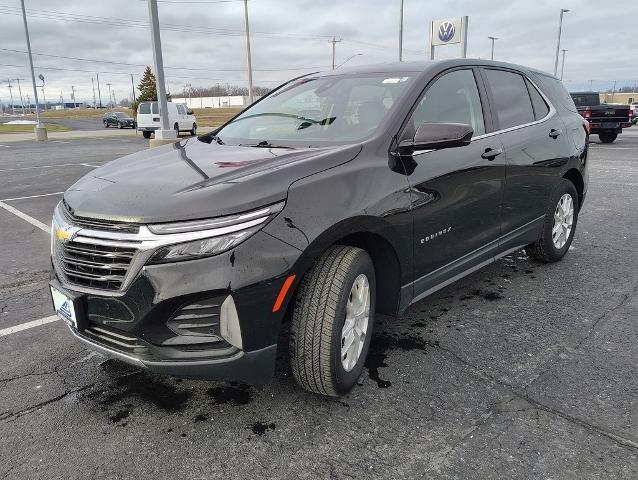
(235, 394)
(529, 271)
(378, 353)
(143, 386)
(119, 415)
(490, 295)
(200, 418)
(260, 428)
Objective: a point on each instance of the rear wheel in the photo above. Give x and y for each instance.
(146, 134)
(106, 125)
(559, 227)
(332, 321)
(119, 125)
(607, 137)
(176, 127)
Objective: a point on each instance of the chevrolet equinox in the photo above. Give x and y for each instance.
(336, 196)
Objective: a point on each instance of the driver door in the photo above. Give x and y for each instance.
(456, 192)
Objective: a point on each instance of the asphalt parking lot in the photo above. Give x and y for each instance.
(520, 370)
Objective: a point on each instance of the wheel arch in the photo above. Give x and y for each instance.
(574, 176)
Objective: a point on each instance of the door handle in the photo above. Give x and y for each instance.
(554, 133)
(491, 153)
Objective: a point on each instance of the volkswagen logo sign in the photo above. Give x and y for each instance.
(446, 31)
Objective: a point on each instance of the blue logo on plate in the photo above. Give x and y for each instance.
(446, 31)
(65, 309)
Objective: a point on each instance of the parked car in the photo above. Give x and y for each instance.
(118, 119)
(180, 118)
(633, 113)
(337, 196)
(606, 120)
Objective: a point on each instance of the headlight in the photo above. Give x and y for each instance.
(208, 237)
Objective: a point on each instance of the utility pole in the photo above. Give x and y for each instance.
(13, 109)
(99, 94)
(165, 132)
(493, 39)
(562, 68)
(40, 131)
(334, 42)
(401, 32)
(560, 28)
(133, 87)
(613, 92)
(248, 56)
(93, 85)
(110, 95)
(29, 103)
(44, 99)
(591, 85)
(20, 91)
(73, 97)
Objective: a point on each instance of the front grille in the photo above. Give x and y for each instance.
(115, 339)
(94, 266)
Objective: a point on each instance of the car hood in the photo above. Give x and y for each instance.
(193, 179)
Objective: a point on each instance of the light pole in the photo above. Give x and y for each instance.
(248, 56)
(93, 85)
(20, 92)
(73, 97)
(110, 95)
(560, 28)
(493, 39)
(165, 133)
(40, 131)
(44, 99)
(400, 32)
(562, 68)
(334, 42)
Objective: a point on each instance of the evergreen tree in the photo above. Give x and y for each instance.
(147, 88)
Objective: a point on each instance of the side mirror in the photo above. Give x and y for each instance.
(189, 112)
(434, 136)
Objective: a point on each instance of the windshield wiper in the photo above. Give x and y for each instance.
(217, 140)
(264, 144)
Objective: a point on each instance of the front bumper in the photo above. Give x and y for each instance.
(144, 324)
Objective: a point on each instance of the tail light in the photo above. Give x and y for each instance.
(587, 113)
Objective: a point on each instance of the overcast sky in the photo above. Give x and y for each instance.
(290, 38)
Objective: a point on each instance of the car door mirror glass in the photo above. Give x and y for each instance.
(189, 112)
(434, 136)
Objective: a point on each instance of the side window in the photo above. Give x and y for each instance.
(155, 107)
(540, 107)
(145, 108)
(512, 103)
(180, 109)
(453, 98)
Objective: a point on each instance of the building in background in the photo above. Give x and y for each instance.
(214, 102)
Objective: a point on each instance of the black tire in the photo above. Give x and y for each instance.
(176, 127)
(318, 318)
(119, 125)
(194, 129)
(106, 125)
(607, 137)
(146, 134)
(544, 248)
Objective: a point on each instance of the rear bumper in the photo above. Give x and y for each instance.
(147, 129)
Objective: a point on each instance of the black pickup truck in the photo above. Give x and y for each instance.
(606, 120)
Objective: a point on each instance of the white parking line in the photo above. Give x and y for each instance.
(26, 218)
(47, 166)
(28, 325)
(30, 196)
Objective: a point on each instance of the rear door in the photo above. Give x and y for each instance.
(537, 149)
(456, 192)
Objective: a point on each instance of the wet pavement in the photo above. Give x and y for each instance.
(521, 370)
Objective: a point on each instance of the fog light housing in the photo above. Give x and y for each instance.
(229, 323)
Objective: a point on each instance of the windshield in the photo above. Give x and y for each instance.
(586, 99)
(316, 111)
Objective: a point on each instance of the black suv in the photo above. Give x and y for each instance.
(118, 119)
(335, 196)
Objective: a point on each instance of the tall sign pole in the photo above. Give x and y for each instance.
(40, 131)
(401, 32)
(165, 132)
(248, 55)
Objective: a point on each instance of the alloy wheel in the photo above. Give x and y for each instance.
(355, 327)
(563, 221)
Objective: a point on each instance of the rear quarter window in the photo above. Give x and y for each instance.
(554, 89)
(540, 107)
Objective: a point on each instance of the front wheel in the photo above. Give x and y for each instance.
(106, 125)
(194, 129)
(332, 321)
(607, 137)
(559, 227)
(176, 127)
(120, 126)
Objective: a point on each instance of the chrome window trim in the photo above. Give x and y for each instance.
(550, 114)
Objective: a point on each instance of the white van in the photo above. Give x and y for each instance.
(180, 118)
